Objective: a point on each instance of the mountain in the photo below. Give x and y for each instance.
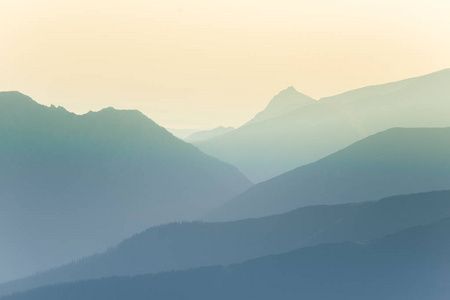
(207, 134)
(411, 264)
(287, 100)
(188, 245)
(279, 142)
(73, 185)
(393, 162)
(181, 133)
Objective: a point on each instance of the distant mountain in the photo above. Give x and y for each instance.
(412, 264)
(72, 185)
(188, 245)
(287, 100)
(207, 134)
(396, 161)
(182, 133)
(279, 140)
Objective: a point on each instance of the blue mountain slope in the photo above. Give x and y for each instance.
(396, 161)
(411, 264)
(188, 245)
(72, 185)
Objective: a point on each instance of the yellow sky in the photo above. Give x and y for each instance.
(204, 63)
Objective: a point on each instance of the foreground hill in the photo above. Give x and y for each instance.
(279, 140)
(73, 185)
(188, 245)
(396, 161)
(412, 264)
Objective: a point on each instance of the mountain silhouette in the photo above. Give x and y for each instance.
(182, 133)
(393, 162)
(411, 264)
(207, 134)
(188, 245)
(73, 184)
(274, 143)
(287, 100)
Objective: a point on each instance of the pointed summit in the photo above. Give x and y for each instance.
(287, 100)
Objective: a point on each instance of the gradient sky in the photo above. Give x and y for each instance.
(204, 63)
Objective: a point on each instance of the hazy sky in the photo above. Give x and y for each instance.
(204, 63)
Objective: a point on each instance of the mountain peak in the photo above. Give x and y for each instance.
(287, 100)
(289, 88)
(114, 112)
(121, 117)
(287, 97)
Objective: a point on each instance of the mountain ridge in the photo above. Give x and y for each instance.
(265, 149)
(395, 161)
(208, 134)
(188, 245)
(410, 264)
(105, 175)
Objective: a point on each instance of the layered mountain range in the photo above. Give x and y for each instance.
(353, 200)
(396, 161)
(411, 264)
(295, 130)
(187, 245)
